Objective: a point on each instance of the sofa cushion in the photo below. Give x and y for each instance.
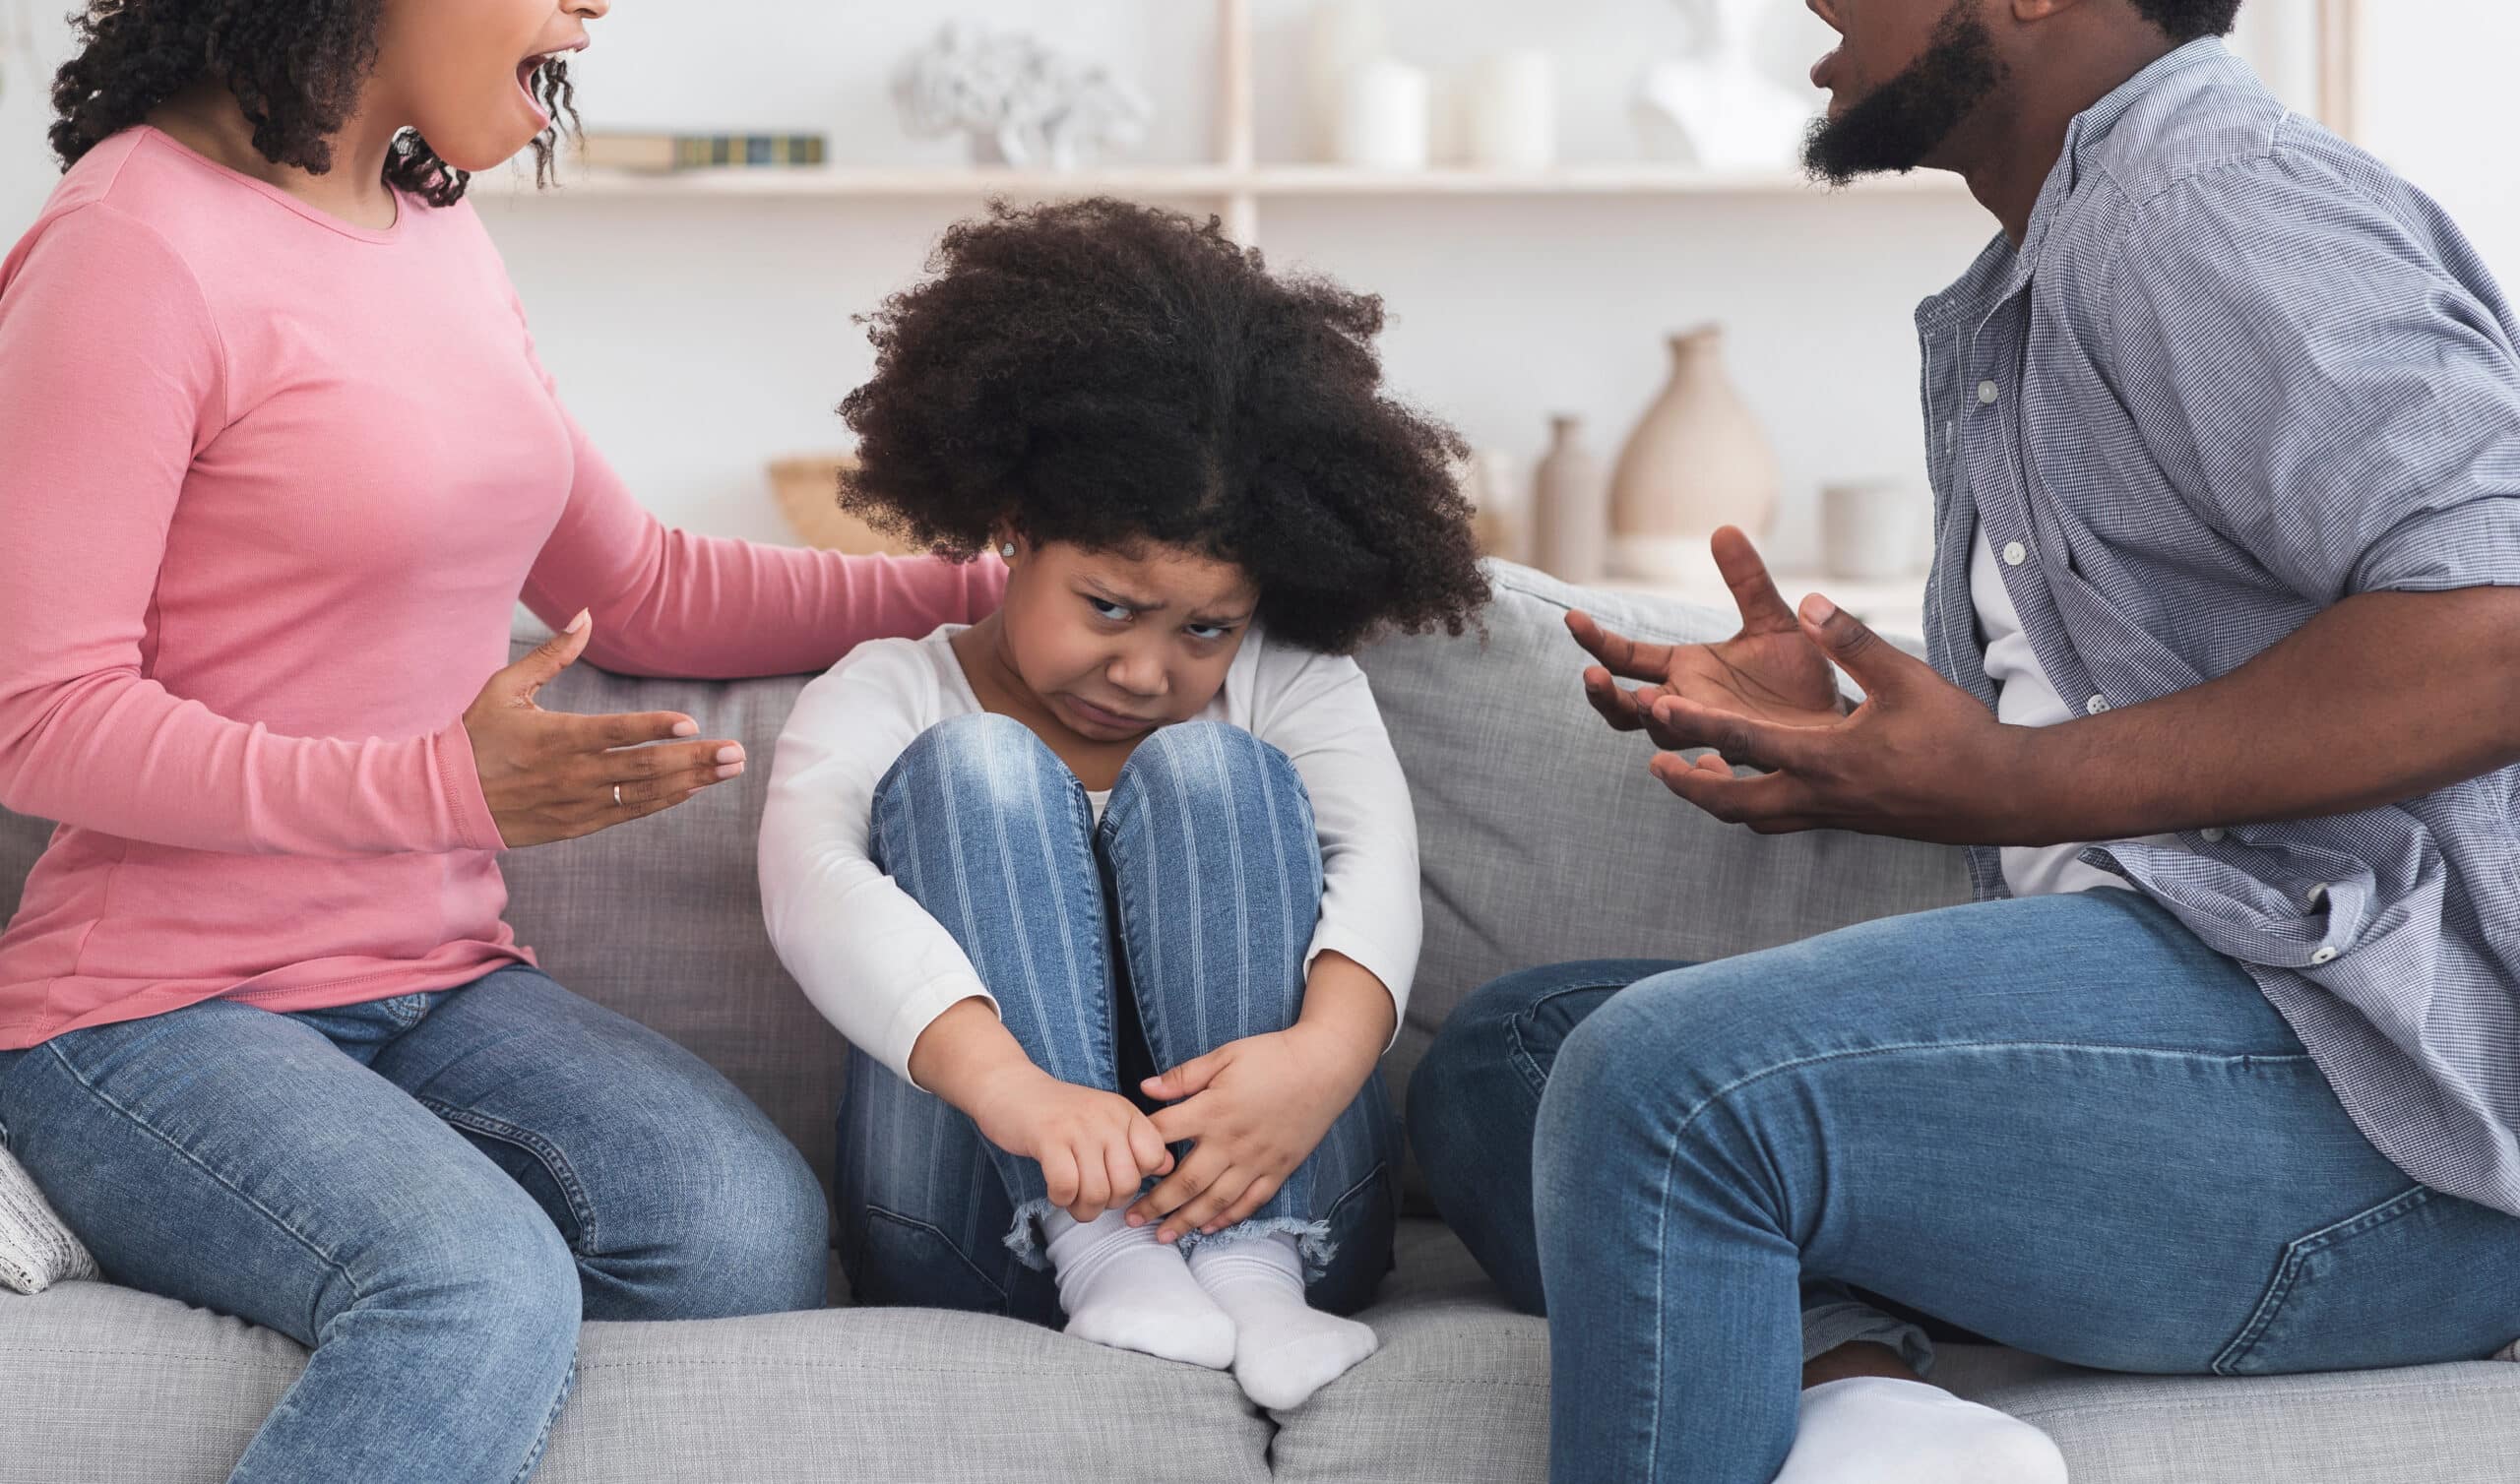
(1545, 840)
(108, 1386)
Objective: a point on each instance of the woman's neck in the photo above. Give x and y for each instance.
(207, 119)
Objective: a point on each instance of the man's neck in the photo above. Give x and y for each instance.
(207, 119)
(2010, 147)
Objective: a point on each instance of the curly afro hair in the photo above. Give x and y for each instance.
(2183, 21)
(296, 66)
(1115, 376)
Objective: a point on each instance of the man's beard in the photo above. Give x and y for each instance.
(1898, 124)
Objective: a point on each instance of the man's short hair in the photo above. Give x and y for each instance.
(2183, 21)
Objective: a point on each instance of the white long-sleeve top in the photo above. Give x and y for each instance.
(881, 969)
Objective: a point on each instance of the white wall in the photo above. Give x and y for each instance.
(698, 339)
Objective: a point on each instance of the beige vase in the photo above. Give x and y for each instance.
(1570, 507)
(1697, 461)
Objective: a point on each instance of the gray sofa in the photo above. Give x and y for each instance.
(1543, 839)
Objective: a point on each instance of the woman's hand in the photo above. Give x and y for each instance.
(551, 777)
(1771, 671)
(1256, 1109)
(1094, 1148)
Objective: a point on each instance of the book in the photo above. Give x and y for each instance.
(658, 153)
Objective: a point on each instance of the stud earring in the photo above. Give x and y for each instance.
(1006, 549)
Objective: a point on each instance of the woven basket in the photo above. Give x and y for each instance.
(808, 491)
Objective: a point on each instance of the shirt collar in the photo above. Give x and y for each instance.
(2000, 271)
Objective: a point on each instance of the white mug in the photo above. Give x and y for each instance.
(1868, 530)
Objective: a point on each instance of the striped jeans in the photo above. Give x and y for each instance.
(1176, 924)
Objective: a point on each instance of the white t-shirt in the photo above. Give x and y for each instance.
(2026, 697)
(880, 968)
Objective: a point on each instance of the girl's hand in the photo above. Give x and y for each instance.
(1094, 1148)
(551, 777)
(1256, 1108)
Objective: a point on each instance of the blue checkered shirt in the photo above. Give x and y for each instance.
(2236, 372)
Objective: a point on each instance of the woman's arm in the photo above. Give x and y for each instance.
(667, 602)
(112, 379)
(867, 955)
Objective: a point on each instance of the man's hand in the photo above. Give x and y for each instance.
(1770, 671)
(1922, 759)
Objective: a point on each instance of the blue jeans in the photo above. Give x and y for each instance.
(1177, 924)
(429, 1191)
(2062, 1123)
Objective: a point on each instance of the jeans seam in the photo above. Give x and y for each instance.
(1518, 1052)
(1671, 1155)
(357, 1295)
(541, 1149)
(2297, 1256)
(952, 1246)
(542, 1438)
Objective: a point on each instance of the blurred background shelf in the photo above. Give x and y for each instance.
(1186, 181)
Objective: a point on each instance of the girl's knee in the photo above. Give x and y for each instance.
(976, 766)
(1206, 759)
(981, 748)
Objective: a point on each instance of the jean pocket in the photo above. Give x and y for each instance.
(2417, 1279)
(905, 1261)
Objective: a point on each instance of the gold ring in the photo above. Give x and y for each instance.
(617, 796)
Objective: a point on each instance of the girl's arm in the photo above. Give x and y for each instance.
(112, 380)
(867, 955)
(667, 602)
(1319, 710)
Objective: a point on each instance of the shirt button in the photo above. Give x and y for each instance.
(2095, 704)
(2015, 553)
(2318, 896)
(2323, 956)
(1988, 393)
(2211, 834)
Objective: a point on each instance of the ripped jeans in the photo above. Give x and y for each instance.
(1179, 922)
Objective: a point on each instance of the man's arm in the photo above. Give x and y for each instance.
(2385, 696)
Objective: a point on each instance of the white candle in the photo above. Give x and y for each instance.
(1513, 112)
(1383, 117)
(1344, 34)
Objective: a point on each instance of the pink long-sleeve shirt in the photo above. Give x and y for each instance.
(271, 485)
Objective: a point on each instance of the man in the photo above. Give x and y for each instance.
(2224, 430)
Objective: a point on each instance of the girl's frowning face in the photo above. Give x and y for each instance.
(1117, 644)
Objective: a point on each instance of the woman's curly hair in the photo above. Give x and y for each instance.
(1115, 376)
(296, 66)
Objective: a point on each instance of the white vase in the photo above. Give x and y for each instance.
(1719, 114)
(1385, 108)
(1696, 461)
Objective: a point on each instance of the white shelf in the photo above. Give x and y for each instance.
(1282, 182)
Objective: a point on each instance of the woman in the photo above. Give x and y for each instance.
(276, 462)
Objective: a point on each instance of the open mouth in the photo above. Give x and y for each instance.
(529, 70)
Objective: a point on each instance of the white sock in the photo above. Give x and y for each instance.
(1876, 1430)
(1121, 1287)
(1283, 1348)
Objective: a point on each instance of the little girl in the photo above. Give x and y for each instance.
(1143, 818)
